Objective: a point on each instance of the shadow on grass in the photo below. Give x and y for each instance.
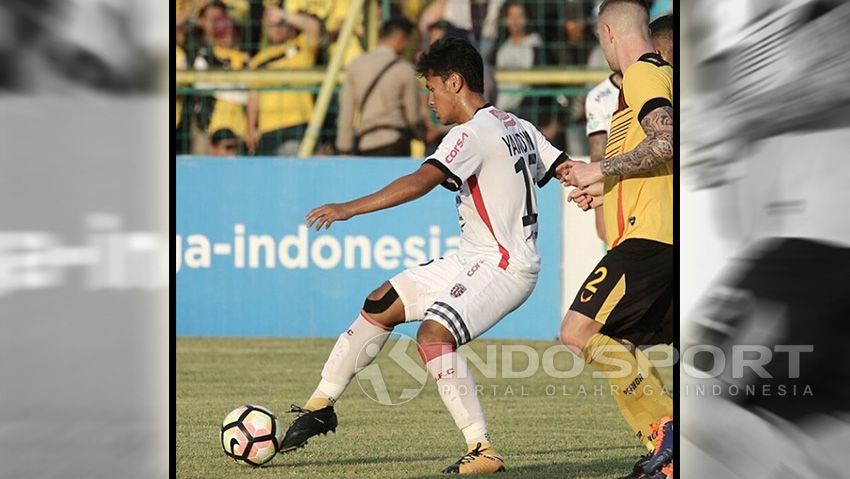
(601, 468)
(353, 461)
(608, 468)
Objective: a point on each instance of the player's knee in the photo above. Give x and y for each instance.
(431, 350)
(569, 341)
(384, 306)
(433, 332)
(576, 330)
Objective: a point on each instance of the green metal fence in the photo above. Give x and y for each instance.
(565, 63)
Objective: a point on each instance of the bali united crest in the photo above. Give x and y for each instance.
(457, 290)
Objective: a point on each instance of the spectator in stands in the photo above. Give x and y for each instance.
(520, 51)
(224, 109)
(181, 126)
(224, 142)
(277, 120)
(437, 30)
(578, 33)
(332, 15)
(480, 17)
(382, 89)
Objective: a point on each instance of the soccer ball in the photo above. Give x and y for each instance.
(251, 435)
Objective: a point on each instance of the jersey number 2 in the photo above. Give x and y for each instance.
(520, 167)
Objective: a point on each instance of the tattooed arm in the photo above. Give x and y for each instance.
(654, 150)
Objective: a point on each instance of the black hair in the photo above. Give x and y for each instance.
(395, 24)
(453, 55)
(214, 4)
(222, 134)
(661, 25)
(606, 3)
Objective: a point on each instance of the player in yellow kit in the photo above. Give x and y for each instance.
(626, 300)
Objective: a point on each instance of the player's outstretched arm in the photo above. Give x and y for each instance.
(405, 189)
(654, 150)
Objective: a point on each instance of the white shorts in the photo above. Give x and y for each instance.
(467, 295)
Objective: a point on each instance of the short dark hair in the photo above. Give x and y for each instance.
(214, 4)
(662, 26)
(607, 3)
(395, 24)
(222, 134)
(453, 55)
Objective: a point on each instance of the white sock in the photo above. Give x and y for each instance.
(346, 359)
(457, 388)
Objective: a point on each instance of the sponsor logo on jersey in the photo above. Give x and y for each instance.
(457, 290)
(474, 268)
(504, 117)
(631, 388)
(456, 150)
(632, 220)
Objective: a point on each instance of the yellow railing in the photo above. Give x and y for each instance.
(333, 75)
(568, 77)
(311, 135)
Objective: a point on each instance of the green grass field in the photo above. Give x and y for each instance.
(543, 426)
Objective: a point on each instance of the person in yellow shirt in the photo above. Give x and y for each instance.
(627, 301)
(277, 120)
(226, 108)
(332, 15)
(182, 133)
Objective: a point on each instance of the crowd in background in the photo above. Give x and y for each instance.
(302, 34)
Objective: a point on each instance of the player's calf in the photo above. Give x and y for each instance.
(356, 347)
(437, 347)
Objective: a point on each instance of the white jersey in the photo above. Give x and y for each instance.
(600, 105)
(492, 161)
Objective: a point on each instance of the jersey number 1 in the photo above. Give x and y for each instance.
(530, 215)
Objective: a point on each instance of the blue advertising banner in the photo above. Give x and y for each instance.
(248, 266)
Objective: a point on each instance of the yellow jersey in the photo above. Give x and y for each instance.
(229, 110)
(331, 12)
(639, 206)
(180, 60)
(283, 109)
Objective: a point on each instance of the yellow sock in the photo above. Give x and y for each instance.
(662, 406)
(633, 422)
(316, 403)
(637, 389)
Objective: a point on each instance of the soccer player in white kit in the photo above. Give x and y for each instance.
(493, 160)
(599, 106)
